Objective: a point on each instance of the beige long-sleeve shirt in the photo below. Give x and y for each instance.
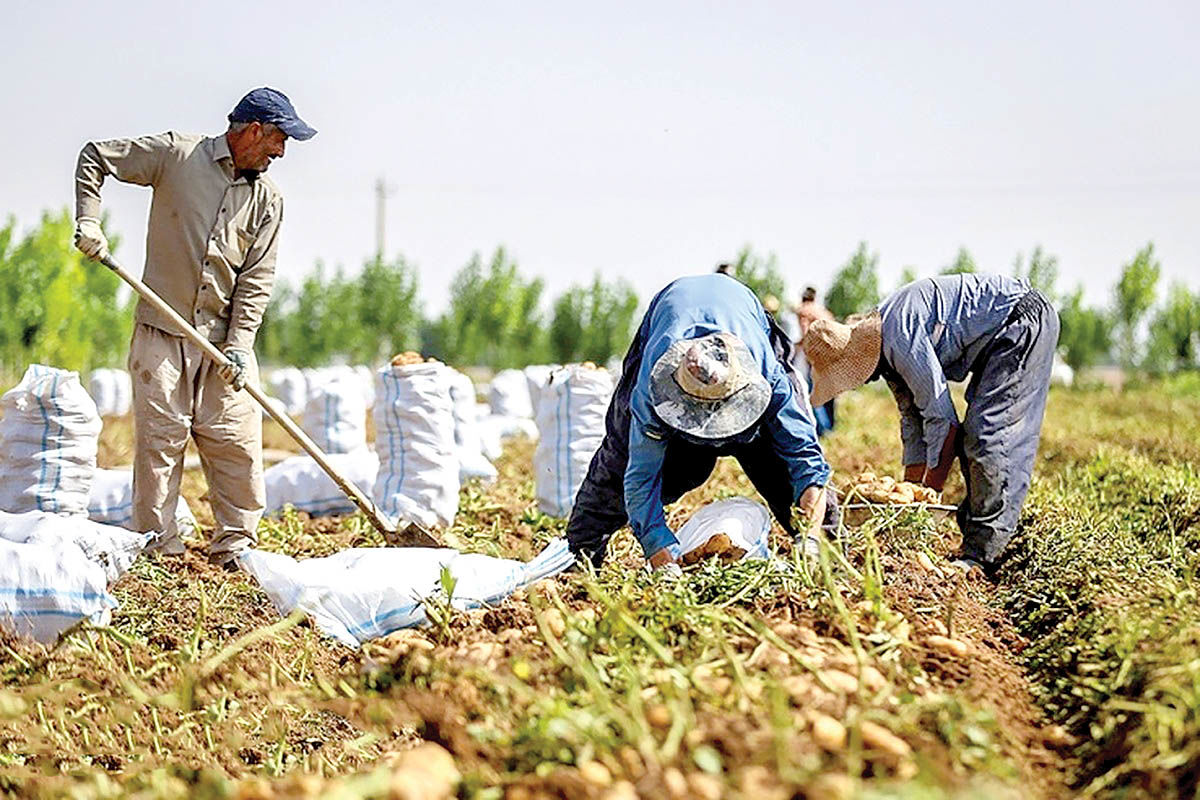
(212, 238)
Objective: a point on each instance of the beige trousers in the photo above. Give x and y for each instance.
(177, 391)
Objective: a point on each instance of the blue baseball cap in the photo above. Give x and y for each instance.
(272, 106)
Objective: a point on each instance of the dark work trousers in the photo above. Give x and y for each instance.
(599, 509)
(1006, 400)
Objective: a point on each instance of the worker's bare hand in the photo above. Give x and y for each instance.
(661, 559)
(809, 511)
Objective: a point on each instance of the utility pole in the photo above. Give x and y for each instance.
(382, 190)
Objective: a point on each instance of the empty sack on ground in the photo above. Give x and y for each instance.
(301, 483)
(365, 593)
(110, 547)
(111, 502)
(45, 589)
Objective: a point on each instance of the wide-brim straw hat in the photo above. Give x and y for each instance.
(738, 403)
(842, 356)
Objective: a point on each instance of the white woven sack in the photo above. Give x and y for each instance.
(48, 438)
(744, 521)
(111, 502)
(509, 394)
(570, 422)
(468, 439)
(291, 387)
(335, 415)
(301, 483)
(414, 436)
(112, 391)
(111, 547)
(45, 589)
(366, 383)
(537, 377)
(363, 593)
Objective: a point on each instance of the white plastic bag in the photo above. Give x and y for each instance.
(48, 438)
(366, 384)
(112, 390)
(744, 521)
(301, 483)
(472, 463)
(45, 589)
(111, 502)
(335, 415)
(364, 593)
(291, 387)
(537, 377)
(110, 547)
(509, 394)
(414, 431)
(570, 421)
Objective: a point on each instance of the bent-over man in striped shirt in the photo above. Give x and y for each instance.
(210, 254)
(997, 329)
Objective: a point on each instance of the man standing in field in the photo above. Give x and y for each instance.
(937, 330)
(705, 376)
(210, 254)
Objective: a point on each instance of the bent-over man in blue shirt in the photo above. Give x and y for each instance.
(706, 375)
(998, 330)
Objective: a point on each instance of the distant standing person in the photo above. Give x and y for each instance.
(997, 329)
(807, 312)
(705, 376)
(210, 254)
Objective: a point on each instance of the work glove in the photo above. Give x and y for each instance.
(234, 372)
(90, 239)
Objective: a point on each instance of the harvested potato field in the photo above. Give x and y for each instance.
(876, 670)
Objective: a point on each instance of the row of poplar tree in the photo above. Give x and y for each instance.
(58, 309)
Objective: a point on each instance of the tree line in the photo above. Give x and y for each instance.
(57, 308)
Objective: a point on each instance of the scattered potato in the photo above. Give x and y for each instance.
(949, 646)
(595, 773)
(877, 737)
(828, 732)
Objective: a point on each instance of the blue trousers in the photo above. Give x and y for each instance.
(1006, 400)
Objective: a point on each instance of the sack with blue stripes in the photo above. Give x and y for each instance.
(414, 437)
(110, 547)
(335, 413)
(111, 502)
(570, 420)
(48, 439)
(367, 592)
(300, 482)
(45, 589)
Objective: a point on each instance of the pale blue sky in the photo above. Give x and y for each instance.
(651, 139)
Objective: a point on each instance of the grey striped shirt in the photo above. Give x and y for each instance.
(932, 331)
